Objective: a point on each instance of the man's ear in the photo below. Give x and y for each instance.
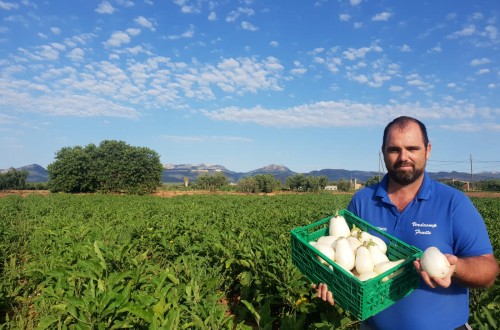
(428, 151)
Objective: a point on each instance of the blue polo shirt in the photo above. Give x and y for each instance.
(440, 216)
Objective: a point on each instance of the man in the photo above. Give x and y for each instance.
(417, 210)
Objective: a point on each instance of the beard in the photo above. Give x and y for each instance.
(405, 177)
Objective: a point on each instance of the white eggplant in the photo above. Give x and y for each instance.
(364, 261)
(354, 242)
(367, 275)
(377, 255)
(380, 243)
(344, 255)
(338, 227)
(327, 250)
(385, 266)
(330, 240)
(355, 231)
(435, 263)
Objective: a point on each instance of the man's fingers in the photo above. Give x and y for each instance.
(329, 297)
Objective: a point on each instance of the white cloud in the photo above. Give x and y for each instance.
(274, 44)
(384, 16)
(144, 22)
(405, 48)
(55, 30)
(465, 32)
(187, 7)
(186, 34)
(234, 15)
(105, 8)
(479, 61)
(355, 2)
(212, 16)
(344, 17)
(356, 53)
(482, 71)
(491, 32)
(125, 3)
(396, 88)
(435, 50)
(117, 39)
(477, 16)
(133, 32)
(76, 54)
(358, 25)
(205, 138)
(8, 5)
(248, 26)
(351, 114)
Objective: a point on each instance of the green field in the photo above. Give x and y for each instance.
(187, 262)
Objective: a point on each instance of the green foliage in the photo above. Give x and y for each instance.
(261, 183)
(193, 262)
(371, 181)
(13, 179)
(113, 166)
(343, 185)
(212, 182)
(248, 185)
(488, 185)
(302, 182)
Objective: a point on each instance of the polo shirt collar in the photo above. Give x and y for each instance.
(423, 193)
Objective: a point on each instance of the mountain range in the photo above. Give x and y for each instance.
(175, 173)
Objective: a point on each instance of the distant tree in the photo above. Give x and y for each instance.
(489, 185)
(297, 182)
(371, 181)
(74, 170)
(248, 185)
(267, 183)
(13, 179)
(212, 182)
(344, 185)
(323, 181)
(113, 166)
(301, 182)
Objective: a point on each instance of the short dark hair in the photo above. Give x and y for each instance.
(402, 122)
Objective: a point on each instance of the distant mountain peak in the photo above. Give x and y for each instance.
(274, 168)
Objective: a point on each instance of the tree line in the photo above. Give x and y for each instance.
(116, 167)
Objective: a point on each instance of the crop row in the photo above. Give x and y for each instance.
(189, 262)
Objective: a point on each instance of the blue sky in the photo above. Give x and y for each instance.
(244, 84)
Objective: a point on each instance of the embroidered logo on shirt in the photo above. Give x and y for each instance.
(423, 228)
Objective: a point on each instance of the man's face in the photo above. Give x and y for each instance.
(405, 154)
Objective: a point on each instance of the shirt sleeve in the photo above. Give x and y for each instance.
(469, 230)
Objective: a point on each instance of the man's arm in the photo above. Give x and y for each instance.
(472, 272)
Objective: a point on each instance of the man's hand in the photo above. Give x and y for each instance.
(323, 293)
(435, 281)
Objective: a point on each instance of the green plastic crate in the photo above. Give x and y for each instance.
(360, 299)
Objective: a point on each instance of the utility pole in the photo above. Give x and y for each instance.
(470, 171)
(380, 164)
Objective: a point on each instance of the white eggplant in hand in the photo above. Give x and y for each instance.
(338, 227)
(364, 261)
(344, 255)
(435, 263)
